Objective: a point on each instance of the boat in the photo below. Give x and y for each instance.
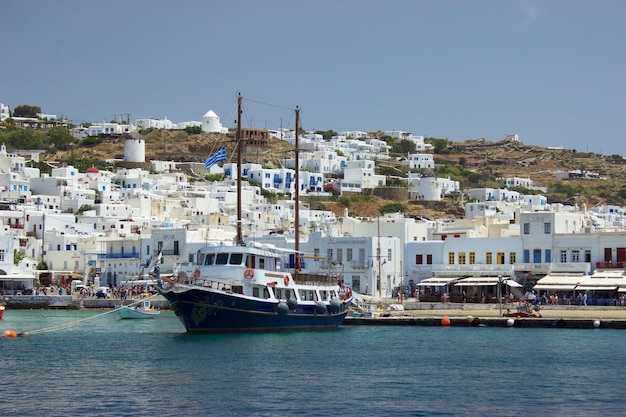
(141, 310)
(2, 308)
(245, 286)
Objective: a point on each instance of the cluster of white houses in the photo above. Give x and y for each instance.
(109, 224)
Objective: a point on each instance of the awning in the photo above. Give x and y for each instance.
(486, 281)
(621, 289)
(594, 288)
(609, 274)
(556, 280)
(436, 282)
(555, 287)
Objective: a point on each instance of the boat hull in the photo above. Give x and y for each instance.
(131, 313)
(203, 311)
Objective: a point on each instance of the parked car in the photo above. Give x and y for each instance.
(103, 292)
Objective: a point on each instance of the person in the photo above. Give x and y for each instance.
(585, 299)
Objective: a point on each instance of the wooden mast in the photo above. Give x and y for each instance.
(239, 239)
(297, 196)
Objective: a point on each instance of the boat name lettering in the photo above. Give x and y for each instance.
(351, 242)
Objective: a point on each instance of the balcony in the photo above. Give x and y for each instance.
(360, 264)
(610, 265)
(120, 255)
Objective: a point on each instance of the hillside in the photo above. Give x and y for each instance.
(475, 163)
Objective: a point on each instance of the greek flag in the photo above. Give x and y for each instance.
(220, 155)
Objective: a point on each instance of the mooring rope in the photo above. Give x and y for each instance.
(72, 323)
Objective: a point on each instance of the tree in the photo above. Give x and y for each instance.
(327, 134)
(24, 110)
(193, 130)
(59, 137)
(17, 256)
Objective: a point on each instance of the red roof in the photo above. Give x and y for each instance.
(93, 170)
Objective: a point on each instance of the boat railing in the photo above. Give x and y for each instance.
(315, 279)
(202, 282)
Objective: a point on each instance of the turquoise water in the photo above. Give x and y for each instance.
(101, 366)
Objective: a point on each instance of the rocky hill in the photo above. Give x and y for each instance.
(477, 163)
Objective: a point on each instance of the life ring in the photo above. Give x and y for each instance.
(248, 273)
(196, 273)
(286, 279)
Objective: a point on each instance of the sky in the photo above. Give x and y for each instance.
(552, 72)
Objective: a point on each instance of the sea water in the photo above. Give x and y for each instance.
(71, 363)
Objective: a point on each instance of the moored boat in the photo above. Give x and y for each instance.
(246, 287)
(142, 310)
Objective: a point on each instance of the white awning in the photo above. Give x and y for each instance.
(555, 287)
(594, 288)
(436, 282)
(621, 289)
(486, 281)
(558, 279)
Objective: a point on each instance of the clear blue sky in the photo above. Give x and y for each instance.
(554, 72)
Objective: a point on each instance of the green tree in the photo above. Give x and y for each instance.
(193, 130)
(24, 110)
(327, 134)
(441, 145)
(59, 137)
(392, 208)
(404, 146)
(17, 256)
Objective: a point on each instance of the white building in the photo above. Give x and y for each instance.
(419, 161)
(360, 175)
(430, 188)
(5, 112)
(211, 123)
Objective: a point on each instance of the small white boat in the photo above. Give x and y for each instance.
(142, 310)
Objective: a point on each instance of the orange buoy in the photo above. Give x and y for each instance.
(445, 321)
(9, 333)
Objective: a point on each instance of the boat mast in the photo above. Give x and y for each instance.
(297, 195)
(239, 239)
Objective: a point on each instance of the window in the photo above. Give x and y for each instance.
(488, 258)
(563, 256)
(512, 257)
(222, 259)
(526, 228)
(340, 255)
(236, 258)
(349, 254)
(526, 256)
(419, 259)
(547, 228)
(461, 258)
(451, 258)
(209, 259)
(472, 258)
(329, 255)
(429, 259)
(575, 256)
(587, 255)
(389, 255)
(2, 255)
(500, 257)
